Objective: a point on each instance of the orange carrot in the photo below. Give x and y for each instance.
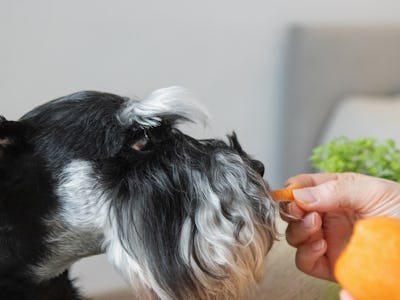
(285, 194)
(369, 266)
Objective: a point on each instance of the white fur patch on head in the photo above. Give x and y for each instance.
(171, 103)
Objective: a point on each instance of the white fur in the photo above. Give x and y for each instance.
(218, 250)
(162, 102)
(86, 215)
(134, 270)
(78, 226)
(85, 206)
(84, 202)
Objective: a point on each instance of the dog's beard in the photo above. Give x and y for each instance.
(178, 231)
(189, 220)
(192, 233)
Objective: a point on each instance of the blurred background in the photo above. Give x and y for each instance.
(272, 71)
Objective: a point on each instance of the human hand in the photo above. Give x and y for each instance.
(325, 210)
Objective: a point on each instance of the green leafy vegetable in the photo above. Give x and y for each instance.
(366, 156)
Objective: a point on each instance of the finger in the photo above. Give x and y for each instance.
(306, 230)
(297, 240)
(307, 180)
(311, 260)
(291, 212)
(344, 191)
(295, 211)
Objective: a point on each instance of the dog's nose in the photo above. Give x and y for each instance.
(258, 166)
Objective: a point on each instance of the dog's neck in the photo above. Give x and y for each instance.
(77, 226)
(66, 247)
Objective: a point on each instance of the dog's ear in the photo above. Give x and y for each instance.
(4, 141)
(12, 134)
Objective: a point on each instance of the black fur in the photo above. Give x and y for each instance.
(26, 197)
(152, 190)
(82, 125)
(141, 179)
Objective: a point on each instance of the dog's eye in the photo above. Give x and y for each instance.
(141, 144)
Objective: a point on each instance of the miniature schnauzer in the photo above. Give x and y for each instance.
(93, 172)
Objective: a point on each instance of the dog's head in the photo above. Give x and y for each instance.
(180, 218)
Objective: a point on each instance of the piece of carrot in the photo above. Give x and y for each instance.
(285, 194)
(369, 266)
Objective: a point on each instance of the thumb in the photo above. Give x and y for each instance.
(345, 191)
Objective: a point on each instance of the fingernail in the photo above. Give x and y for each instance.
(309, 220)
(304, 196)
(317, 245)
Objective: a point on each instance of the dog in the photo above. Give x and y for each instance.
(94, 172)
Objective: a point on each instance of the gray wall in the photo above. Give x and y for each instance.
(229, 53)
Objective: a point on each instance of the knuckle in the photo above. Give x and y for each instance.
(330, 190)
(351, 177)
(338, 189)
(348, 179)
